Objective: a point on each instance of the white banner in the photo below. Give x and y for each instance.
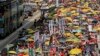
(36, 36)
(51, 26)
(61, 25)
(90, 27)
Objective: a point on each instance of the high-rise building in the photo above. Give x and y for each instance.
(10, 13)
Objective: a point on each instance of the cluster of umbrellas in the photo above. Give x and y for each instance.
(75, 19)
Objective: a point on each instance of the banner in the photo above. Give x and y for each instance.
(36, 36)
(51, 26)
(90, 27)
(61, 25)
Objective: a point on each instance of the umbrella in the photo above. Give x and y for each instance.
(30, 31)
(12, 52)
(29, 39)
(72, 55)
(69, 19)
(75, 14)
(78, 34)
(75, 51)
(73, 8)
(68, 40)
(23, 38)
(76, 26)
(62, 39)
(69, 24)
(73, 11)
(98, 29)
(75, 40)
(38, 1)
(39, 50)
(75, 20)
(47, 42)
(68, 34)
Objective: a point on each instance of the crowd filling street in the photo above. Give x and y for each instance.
(72, 29)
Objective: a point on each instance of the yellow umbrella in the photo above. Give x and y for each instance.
(47, 42)
(38, 1)
(68, 34)
(12, 52)
(84, 7)
(75, 40)
(86, 4)
(97, 12)
(26, 55)
(73, 11)
(69, 19)
(77, 27)
(25, 51)
(75, 14)
(78, 34)
(30, 31)
(85, 10)
(97, 29)
(39, 50)
(75, 51)
(73, 8)
(29, 39)
(72, 55)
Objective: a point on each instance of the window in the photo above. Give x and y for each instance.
(13, 4)
(1, 22)
(1, 30)
(20, 2)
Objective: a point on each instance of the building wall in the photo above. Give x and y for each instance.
(11, 17)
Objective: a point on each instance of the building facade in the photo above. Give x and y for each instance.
(10, 13)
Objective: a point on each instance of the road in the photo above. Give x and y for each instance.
(28, 23)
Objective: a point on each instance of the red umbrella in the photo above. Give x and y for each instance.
(61, 54)
(52, 51)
